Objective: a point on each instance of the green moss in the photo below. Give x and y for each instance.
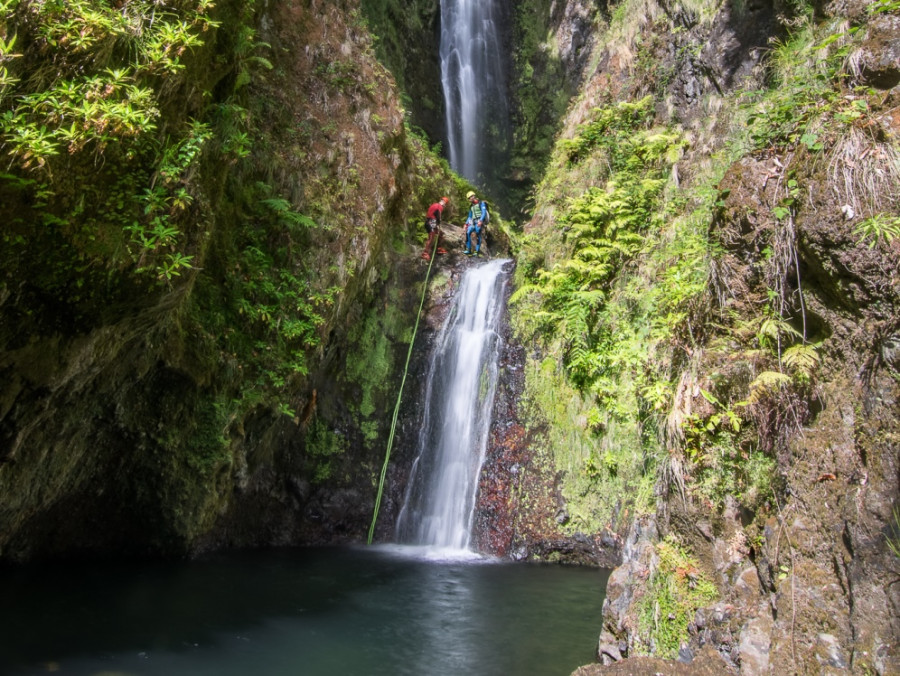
(542, 93)
(677, 588)
(178, 475)
(599, 460)
(370, 430)
(207, 450)
(370, 364)
(322, 446)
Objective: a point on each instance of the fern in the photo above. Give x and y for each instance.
(524, 292)
(772, 328)
(284, 210)
(803, 359)
(596, 251)
(766, 384)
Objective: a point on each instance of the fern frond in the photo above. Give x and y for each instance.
(767, 383)
(598, 251)
(772, 327)
(523, 292)
(591, 298)
(802, 358)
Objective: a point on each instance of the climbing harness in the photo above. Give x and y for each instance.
(387, 454)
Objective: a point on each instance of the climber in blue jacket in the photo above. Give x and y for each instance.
(477, 220)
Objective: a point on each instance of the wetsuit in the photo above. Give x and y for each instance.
(478, 216)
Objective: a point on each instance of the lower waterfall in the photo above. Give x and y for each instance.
(462, 378)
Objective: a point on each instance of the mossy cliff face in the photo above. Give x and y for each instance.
(408, 40)
(153, 404)
(708, 302)
(552, 51)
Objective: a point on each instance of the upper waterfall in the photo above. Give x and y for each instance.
(473, 82)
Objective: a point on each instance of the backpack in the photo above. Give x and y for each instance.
(485, 214)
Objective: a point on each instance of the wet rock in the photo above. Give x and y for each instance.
(607, 649)
(518, 553)
(706, 663)
(299, 487)
(609, 540)
(685, 654)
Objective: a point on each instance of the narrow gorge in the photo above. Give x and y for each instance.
(681, 455)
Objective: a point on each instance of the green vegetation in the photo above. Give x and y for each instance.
(146, 170)
(322, 445)
(804, 107)
(90, 92)
(146, 181)
(723, 462)
(676, 590)
(274, 309)
(893, 538)
(407, 45)
(585, 293)
(653, 375)
(879, 229)
(112, 107)
(371, 363)
(542, 91)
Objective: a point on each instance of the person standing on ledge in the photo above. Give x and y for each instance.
(432, 226)
(478, 218)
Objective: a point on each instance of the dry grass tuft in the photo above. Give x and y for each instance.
(865, 174)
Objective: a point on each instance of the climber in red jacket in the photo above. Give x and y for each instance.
(432, 226)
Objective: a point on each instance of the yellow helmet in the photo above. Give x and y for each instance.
(470, 195)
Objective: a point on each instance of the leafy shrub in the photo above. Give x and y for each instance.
(85, 98)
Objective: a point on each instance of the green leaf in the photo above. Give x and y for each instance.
(709, 397)
(781, 212)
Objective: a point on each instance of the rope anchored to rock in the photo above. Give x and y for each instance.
(390, 443)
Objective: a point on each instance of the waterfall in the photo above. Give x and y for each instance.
(462, 377)
(473, 82)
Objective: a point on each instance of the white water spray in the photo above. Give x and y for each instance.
(440, 496)
(472, 78)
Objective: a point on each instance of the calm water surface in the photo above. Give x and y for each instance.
(309, 612)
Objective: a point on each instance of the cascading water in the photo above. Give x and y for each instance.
(462, 377)
(473, 82)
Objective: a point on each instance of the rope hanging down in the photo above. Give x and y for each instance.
(390, 443)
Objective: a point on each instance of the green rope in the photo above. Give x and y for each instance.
(390, 443)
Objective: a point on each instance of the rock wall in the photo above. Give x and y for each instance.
(148, 420)
(805, 581)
